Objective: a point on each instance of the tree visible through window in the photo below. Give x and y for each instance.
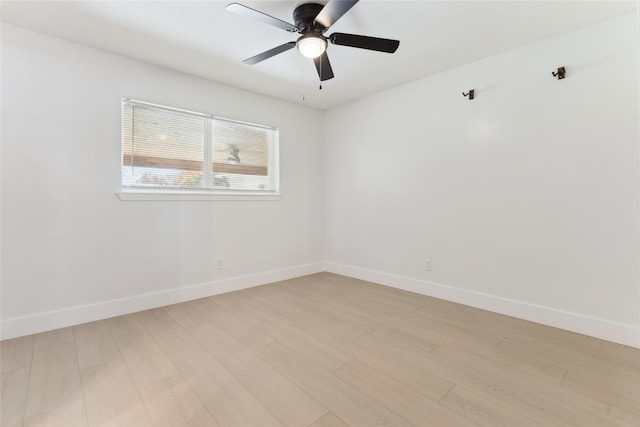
(163, 147)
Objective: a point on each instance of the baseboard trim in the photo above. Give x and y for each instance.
(575, 322)
(41, 322)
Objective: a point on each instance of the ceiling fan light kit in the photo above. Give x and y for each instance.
(312, 20)
(311, 45)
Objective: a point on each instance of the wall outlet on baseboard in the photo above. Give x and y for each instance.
(427, 264)
(218, 263)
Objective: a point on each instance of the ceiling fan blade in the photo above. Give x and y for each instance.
(269, 53)
(255, 14)
(323, 66)
(334, 11)
(365, 42)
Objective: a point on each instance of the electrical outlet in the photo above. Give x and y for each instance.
(218, 263)
(427, 265)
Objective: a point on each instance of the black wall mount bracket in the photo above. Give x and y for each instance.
(560, 74)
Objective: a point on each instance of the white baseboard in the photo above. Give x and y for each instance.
(575, 322)
(41, 322)
(595, 327)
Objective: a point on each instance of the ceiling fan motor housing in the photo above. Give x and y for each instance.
(304, 16)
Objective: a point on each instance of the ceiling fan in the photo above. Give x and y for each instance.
(312, 20)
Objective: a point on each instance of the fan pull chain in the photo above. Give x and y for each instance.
(320, 73)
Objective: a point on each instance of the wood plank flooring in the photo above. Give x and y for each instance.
(320, 350)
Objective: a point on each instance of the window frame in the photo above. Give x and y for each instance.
(130, 193)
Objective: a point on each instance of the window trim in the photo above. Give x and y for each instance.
(190, 195)
(170, 194)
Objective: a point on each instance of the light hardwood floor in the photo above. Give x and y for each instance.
(321, 350)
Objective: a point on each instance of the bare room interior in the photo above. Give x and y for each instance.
(329, 213)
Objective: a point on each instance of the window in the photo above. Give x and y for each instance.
(169, 149)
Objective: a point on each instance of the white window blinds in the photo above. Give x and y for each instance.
(163, 147)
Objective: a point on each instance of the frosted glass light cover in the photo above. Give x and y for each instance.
(311, 46)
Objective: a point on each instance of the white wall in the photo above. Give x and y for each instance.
(72, 251)
(526, 199)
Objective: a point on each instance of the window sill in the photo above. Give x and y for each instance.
(146, 195)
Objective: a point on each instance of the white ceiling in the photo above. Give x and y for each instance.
(201, 38)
